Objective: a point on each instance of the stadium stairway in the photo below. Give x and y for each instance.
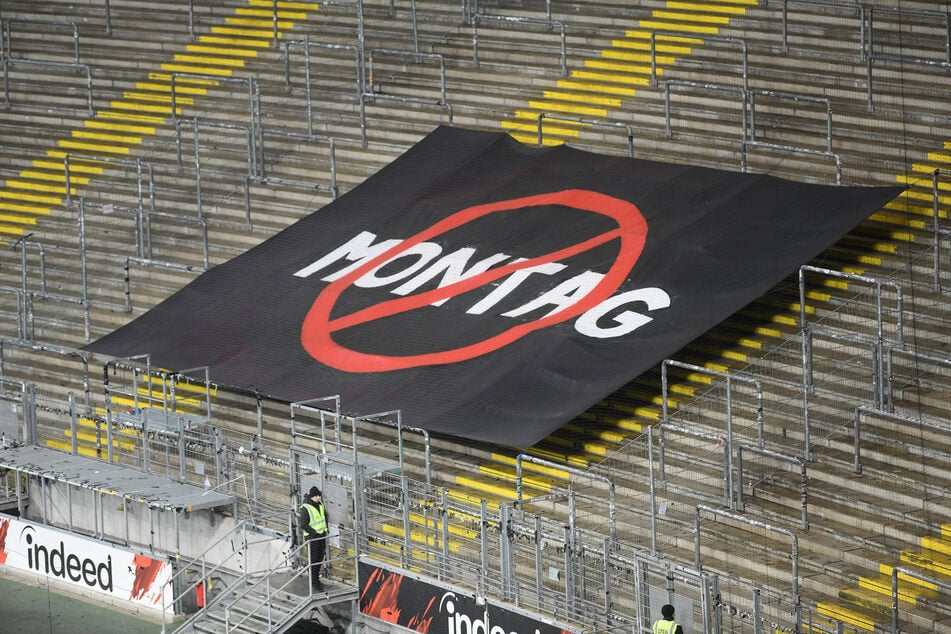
(598, 433)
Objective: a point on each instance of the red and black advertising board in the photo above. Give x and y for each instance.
(489, 290)
(423, 607)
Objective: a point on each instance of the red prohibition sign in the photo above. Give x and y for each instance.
(318, 327)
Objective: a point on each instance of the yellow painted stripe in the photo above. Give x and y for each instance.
(196, 70)
(567, 108)
(207, 60)
(120, 115)
(846, 615)
(92, 147)
(628, 80)
(142, 107)
(622, 67)
(17, 219)
(18, 185)
(610, 102)
(662, 45)
(76, 166)
(713, 7)
(55, 176)
(181, 80)
(154, 97)
(553, 472)
(586, 87)
(106, 136)
(22, 208)
(144, 130)
(281, 4)
(221, 50)
(268, 14)
(266, 23)
(690, 18)
(255, 42)
(181, 88)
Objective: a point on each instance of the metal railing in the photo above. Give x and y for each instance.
(84, 68)
(306, 44)
(592, 122)
(732, 90)
(797, 99)
(849, 7)
(694, 37)
(519, 21)
(6, 35)
(746, 145)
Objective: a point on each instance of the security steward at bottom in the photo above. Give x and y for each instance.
(313, 524)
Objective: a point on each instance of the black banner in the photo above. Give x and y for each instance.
(489, 290)
(423, 607)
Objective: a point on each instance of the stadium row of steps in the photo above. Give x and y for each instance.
(475, 489)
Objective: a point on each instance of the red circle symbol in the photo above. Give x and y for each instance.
(318, 327)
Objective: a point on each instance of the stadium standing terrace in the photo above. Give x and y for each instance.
(785, 471)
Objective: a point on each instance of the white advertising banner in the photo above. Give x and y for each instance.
(84, 562)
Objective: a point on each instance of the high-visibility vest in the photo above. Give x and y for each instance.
(317, 517)
(663, 626)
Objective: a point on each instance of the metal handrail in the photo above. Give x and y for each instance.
(149, 262)
(307, 44)
(872, 57)
(8, 41)
(680, 35)
(744, 98)
(828, 3)
(594, 122)
(201, 222)
(505, 19)
(796, 460)
(746, 144)
(792, 97)
(7, 62)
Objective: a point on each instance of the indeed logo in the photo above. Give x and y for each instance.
(59, 563)
(460, 623)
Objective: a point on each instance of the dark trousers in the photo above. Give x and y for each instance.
(317, 548)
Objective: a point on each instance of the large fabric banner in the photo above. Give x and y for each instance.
(489, 290)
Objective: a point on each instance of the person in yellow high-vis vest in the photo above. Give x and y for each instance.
(667, 625)
(313, 525)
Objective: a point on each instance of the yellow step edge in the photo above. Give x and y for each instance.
(266, 23)
(434, 524)
(887, 569)
(417, 536)
(142, 107)
(531, 129)
(622, 67)
(77, 166)
(19, 185)
(183, 80)
(645, 34)
(157, 97)
(468, 498)
(252, 34)
(181, 88)
(16, 219)
(119, 115)
(144, 130)
(207, 60)
(933, 562)
(197, 70)
(256, 43)
(55, 177)
(631, 425)
(573, 460)
(939, 544)
(608, 78)
(555, 107)
(95, 148)
(107, 137)
(691, 17)
(847, 615)
(682, 388)
(221, 50)
(883, 586)
(285, 4)
(609, 102)
(25, 209)
(67, 446)
(527, 465)
(36, 198)
(700, 377)
(87, 436)
(713, 7)
(504, 493)
(598, 89)
(531, 141)
(502, 474)
(662, 46)
(679, 26)
(642, 58)
(613, 437)
(269, 13)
